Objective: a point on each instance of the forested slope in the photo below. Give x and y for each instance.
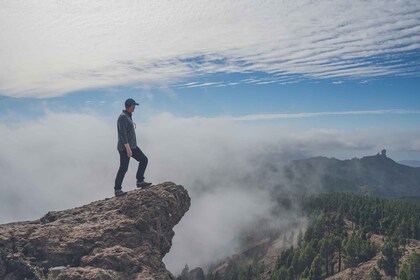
(351, 236)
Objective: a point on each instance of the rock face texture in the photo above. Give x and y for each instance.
(196, 274)
(114, 238)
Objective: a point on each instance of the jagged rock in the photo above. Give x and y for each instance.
(55, 271)
(114, 238)
(196, 274)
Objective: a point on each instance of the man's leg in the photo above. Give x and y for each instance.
(124, 161)
(143, 160)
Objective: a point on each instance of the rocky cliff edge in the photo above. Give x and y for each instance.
(114, 238)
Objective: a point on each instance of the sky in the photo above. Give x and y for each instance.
(220, 84)
(216, 58)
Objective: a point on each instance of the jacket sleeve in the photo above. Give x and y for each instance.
(122, 130)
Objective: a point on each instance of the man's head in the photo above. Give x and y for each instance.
(130, 105)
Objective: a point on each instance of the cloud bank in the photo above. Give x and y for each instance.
(255, 117)
(62, 160)
(50, 47)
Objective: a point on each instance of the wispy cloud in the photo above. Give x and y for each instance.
(49, 48)
(254, 117)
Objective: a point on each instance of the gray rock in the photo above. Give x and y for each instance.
(55, 271)
(196, 274)
(119, 237)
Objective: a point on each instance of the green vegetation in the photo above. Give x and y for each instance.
(411, 269)
(338, 235)
(391, 217)
(374, 274)
(327, 244)
(391, 254)
(240, 272)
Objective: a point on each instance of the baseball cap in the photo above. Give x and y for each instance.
(130, 101)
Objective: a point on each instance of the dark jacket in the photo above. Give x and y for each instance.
(126, 133)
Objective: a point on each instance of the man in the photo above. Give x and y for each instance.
(127, 147)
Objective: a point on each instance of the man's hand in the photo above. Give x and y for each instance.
(129, 152)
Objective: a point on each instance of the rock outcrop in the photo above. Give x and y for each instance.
(196, 274)
(114, 238)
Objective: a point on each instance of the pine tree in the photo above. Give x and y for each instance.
(337, 244)
(389, 260)
(184, 273)
(315, 273)
(350, 248)
(411, 269)
(325, 251)
(305, 274)
(374, 274)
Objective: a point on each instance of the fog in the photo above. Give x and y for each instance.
(229, 168)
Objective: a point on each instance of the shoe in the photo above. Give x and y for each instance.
(143, 184)
(119, 193)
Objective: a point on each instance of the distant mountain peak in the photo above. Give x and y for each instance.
(374, 174)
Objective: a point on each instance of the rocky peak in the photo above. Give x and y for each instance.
(114, 238)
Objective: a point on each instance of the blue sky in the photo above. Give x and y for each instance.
(306, 96)
(354, 64)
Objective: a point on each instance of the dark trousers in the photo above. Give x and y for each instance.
(124, 161)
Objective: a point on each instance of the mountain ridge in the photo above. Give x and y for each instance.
(376, 175)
